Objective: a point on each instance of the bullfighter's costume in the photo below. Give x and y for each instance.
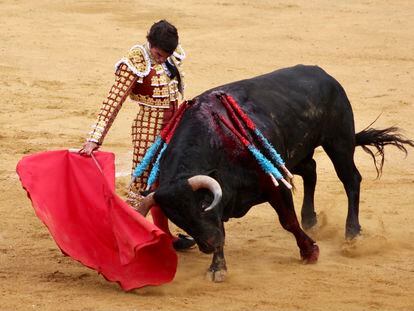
(156, 88)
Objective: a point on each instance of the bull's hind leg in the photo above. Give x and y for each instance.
(341, 153)
(307, 170)
(281, 200)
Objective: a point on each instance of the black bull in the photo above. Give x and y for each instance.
(297, 109)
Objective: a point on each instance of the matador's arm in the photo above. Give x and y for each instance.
(124, 81)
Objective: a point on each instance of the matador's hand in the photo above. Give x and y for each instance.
(88, 148)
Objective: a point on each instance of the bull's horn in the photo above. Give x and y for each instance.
(146, 204)
(206, 182)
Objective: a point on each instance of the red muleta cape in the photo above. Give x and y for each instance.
(90, 223)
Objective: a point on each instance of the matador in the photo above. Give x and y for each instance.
(151, 76)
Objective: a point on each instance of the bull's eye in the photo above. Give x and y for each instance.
(204, 197)
(204, 205)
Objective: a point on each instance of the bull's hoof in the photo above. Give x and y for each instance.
(216, 276)
(309, 223)
(352, 232)
(311, 255)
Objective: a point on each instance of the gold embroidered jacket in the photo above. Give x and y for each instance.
(145, 82)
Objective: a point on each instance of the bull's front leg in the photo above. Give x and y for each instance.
(281, 200)
(218, 269)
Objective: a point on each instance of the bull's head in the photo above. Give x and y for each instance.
(193, 205)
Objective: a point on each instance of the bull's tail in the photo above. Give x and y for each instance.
(379, 139)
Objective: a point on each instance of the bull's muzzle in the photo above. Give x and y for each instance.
(211, 244)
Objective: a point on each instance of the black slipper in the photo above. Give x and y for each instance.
(183, 242)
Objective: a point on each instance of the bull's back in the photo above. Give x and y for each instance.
(308, 90)
(296, 107)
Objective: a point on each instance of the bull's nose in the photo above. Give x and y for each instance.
(209, 245)
(206, 249)
(211, 242)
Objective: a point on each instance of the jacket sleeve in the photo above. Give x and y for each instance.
(124, 81)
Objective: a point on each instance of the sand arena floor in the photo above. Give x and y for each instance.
(56, 66)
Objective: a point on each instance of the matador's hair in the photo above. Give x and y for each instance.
(164, 36)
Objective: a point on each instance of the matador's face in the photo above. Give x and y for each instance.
(160, 56)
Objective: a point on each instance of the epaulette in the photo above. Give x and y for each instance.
(178, 55)
(137, 60)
